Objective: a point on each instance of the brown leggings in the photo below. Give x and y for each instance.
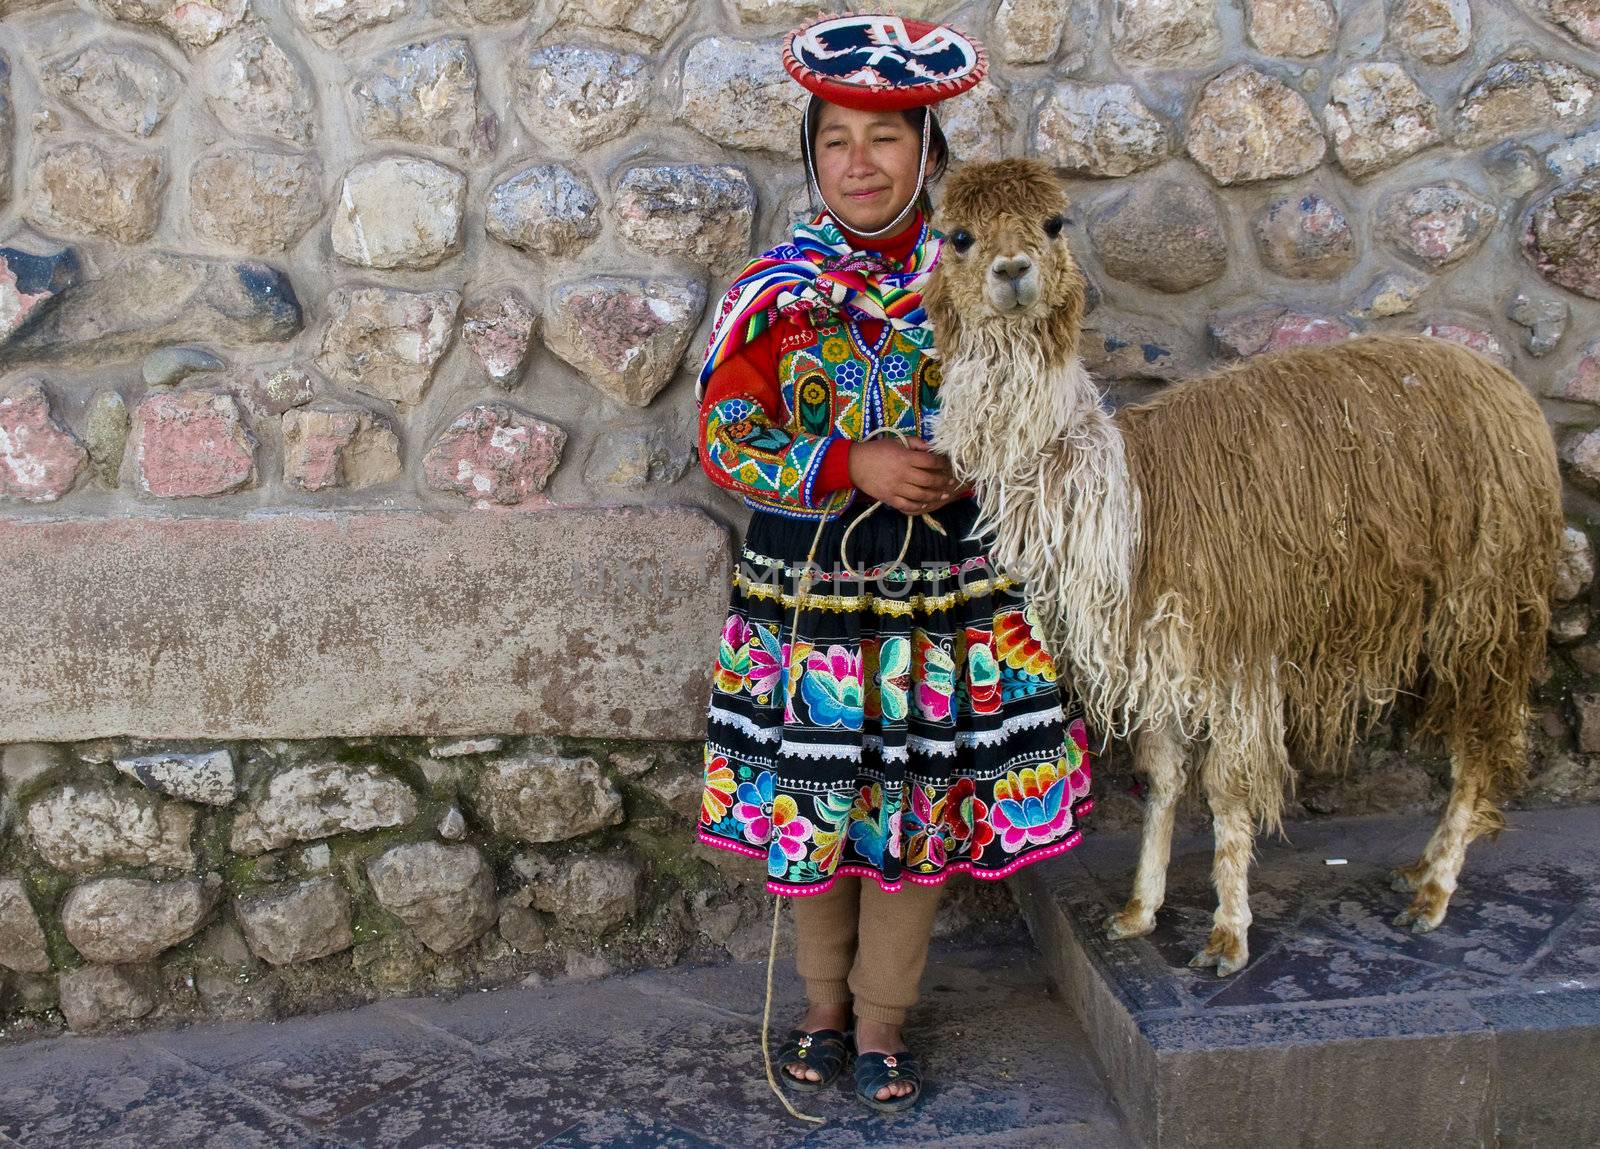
(855, 941)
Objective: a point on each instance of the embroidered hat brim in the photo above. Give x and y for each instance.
(882, 63)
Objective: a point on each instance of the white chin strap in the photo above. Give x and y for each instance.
(922, 172)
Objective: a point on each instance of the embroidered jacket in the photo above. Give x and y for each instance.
(778, 416)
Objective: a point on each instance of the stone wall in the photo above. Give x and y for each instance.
(411, 288)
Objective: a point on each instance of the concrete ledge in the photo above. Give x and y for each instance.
(1345, 1030)
(588, 622)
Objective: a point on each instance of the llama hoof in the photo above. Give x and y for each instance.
(1204, 959)
(1408, 878)
(1228, 966)
(1120, 927)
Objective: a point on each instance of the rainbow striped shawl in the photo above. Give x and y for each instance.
(820, 276)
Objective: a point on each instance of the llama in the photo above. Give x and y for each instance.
(1264, 558)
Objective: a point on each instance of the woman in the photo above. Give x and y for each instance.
(907, 724)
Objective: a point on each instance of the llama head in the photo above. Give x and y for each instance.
(1005, 263)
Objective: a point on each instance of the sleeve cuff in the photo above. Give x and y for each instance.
(834, 474)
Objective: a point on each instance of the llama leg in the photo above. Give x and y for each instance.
(1159, 759)
(1469, 813)
(1227, 773)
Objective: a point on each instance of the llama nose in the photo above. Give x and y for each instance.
(1012, 268)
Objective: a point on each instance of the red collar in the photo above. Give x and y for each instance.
(896, 247)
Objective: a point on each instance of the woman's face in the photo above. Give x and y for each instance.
(866, 164)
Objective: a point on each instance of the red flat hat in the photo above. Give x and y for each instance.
(880, 63)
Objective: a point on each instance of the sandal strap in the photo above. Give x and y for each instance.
(875, 1070)
(825, 1050)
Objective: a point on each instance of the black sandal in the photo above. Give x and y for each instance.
(825, 1050)
(875, 1070)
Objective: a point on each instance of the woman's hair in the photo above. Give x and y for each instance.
(938, 147)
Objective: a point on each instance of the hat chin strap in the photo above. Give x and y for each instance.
(922, 172)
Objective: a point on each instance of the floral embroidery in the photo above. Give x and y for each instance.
(765, 668)
(833, 814)
(733, 656)
(754, 808)
(983, 672)
(718, 796)
(1031, 806)
(875, 825)
(835, 349)
(936, 678)
(925, 830)
(789, 841)
(832, 687)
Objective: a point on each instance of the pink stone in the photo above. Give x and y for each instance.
(1273, 329)
(1584, 386)
(312, 442)
(39, 459)
(1479, 340)
(191, 443)
(498, 331)
(493, 454)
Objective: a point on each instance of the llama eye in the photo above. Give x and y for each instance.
(961, 240)
(1053, 225)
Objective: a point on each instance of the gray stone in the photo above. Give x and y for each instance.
(978, 124)
(30, 285)
(546, 799)
(1033, 31)
(8, 126)
(169, 366)
(1117, 347)
(385, 341)
(1305, 236)
(275, 390)
(84, 828)
(522, 929)
(452, 825)
(120, 86)
(1377, 116)
(648, 21)
(679, 787)
(318, 800)
(40, 460)
(100, 997)
(495, 455)
(498, 330)
(121, 920)
(1392, 293)
(1575, 567)
(206, 777)
(1292, 27)
(105, 434)
(1434, 31)
(330, 21)
(22, 946)
(423, 93)
(1097, 130)
(336, 445)
(253, 199)
(1162, 234)
(1514, 167)
(191, 444)
(1247, 125)
(1439, 224)
(625, 336)
(1561, 236)
(1165, 31)
(190, 24)
(593, 894)
(254, 87)
(297, 922)
(264, 642)
(547, 209)
(636, 457)
(1522, 96)
(736, 93)
(462, 747)
(698, 212)
(148, 299)
(1569, 624)
(445, 894)
(1581, 451)
(1544, 318)
(1583, 384)
(1578, 156)
(110, 191)
(573, 96)
(399, 211)
(22, 762)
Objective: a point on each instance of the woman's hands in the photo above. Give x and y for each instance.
(909, 476)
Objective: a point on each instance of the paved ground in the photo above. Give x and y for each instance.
(668, 1059)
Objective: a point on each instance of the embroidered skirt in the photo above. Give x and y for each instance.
(915, 729)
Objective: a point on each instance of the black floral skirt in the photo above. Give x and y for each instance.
(916, 727)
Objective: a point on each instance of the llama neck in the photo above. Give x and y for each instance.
(1050, 469)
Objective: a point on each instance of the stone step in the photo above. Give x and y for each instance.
(1344, 1030)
